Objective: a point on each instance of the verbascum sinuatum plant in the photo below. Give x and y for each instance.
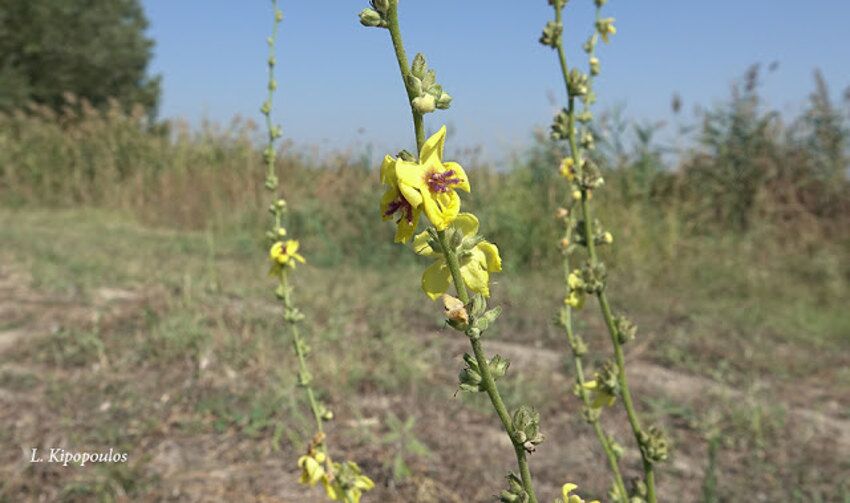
(342, 481)
(583, 232)
(427, 184)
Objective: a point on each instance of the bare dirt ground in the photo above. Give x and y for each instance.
(43, 405)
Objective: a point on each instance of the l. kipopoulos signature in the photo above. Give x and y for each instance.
(57, 455)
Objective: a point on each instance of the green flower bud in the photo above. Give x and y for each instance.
(419, 66)
(371, 18)
(278, 16)
(594, 66)
(560, 126)
(590, 44)
(551, 35)
(526, 423)
(484, 321)
(515, 493)
(266, 108)
(626, 330)
(444, 101)
(577, 83)
(470, 376)
(654, 444)
(415, 84)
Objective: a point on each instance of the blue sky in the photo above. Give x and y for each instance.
(339, 83)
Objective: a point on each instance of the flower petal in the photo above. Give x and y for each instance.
(410, 173)
(406, 228)
(491, 253)
(476, 277)
(443, 210)
(388, 176)
(467, 223)
(435, 279)
(433, 146)
(421, 246)
(389, 196)
(461, 174)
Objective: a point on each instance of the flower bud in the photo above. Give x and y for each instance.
(444, 101)
(278, 16)
(424, 104)
(551, 35)
(654, 444)
(371, 18)
(594, 66)
(526, 423)
(577, 83)
(419, 66)
(562, 213)
(605, 28)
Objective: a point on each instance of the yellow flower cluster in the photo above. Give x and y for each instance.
(430, 185)
(314, 469)
(566, 497)
(477, 258)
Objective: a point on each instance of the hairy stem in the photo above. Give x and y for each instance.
(487, 380)
(605, 307)
(404, 68)
(572, 340)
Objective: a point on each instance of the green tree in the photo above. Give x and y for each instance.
(94, 49)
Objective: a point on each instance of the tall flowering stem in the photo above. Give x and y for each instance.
(341, 481)
(462, 257)
(585, 178)
(578, 348)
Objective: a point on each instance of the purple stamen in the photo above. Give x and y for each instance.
(442, 182)
(400, 205)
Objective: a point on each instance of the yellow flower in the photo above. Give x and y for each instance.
(600, 397)
(571, 498)
(394, 203)
(311, 468)
(576, 296)
(285, 253)
(568, 168)
(477, 258)
(354, 486)
(431, 183)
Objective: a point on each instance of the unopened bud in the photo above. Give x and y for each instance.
(371, 18)
(424, 104)
(562, 213)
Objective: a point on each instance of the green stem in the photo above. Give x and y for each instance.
(270, 97)
(604, 440)
(299, 345)
(404, 68)
(451, 258)
(487, 380)
(605, 307)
